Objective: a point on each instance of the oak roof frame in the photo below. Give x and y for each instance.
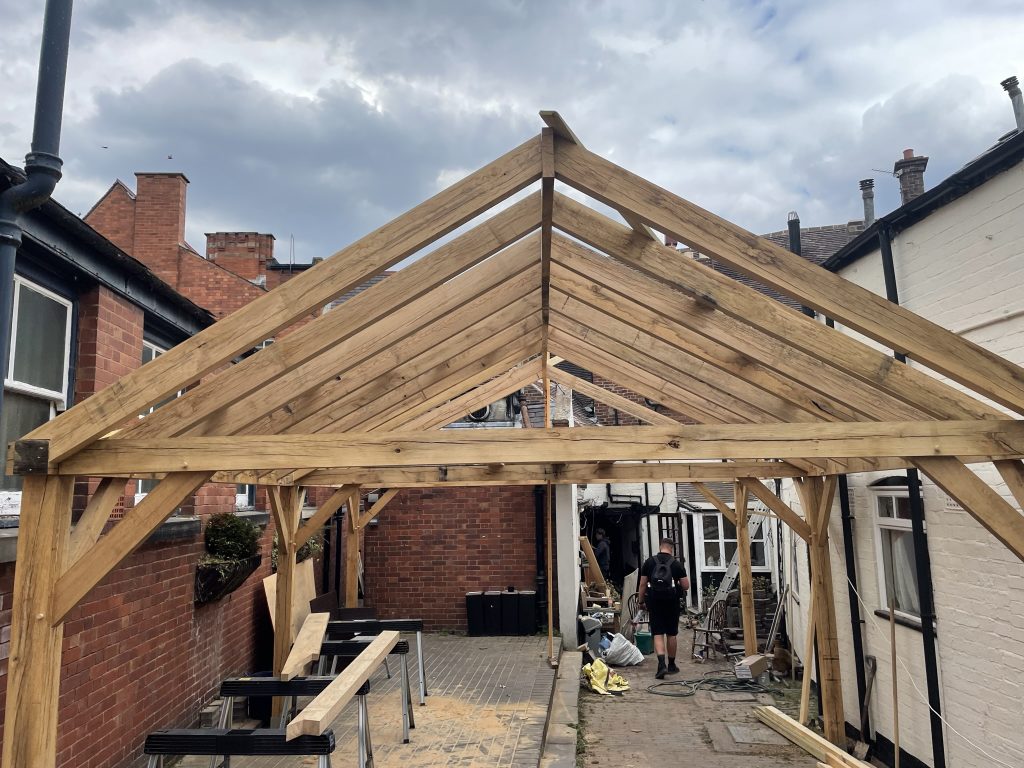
(431, 342)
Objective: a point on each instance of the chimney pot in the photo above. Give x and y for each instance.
(867, 193)
(1016, 99)
(908, 154)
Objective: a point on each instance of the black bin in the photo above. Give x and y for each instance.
(492, 613)
(474, 613)
(526, 602)
(509, 612)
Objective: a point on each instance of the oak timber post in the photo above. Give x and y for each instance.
(33, 673)
(816, 497)
(353, 534)
(746, 575)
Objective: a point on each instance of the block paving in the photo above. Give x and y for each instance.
(487, 705)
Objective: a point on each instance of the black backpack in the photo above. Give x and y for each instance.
(661, 579)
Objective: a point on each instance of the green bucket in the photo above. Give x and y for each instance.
(644, 642)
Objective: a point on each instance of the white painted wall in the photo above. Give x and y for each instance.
(962, 267)
(567, 551)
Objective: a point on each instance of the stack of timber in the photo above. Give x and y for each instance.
(827, 753)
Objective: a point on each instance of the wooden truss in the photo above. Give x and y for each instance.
(357, 397)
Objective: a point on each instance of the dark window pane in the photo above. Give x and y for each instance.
(757, 554)
(710, 528)
(730, 551)
(712, 555)
(903, 507)
(730, 529)
(21, 414)
(145, 486)
(41, 343)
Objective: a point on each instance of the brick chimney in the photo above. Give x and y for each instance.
(159, 222)
(910, 172)
(244, 253)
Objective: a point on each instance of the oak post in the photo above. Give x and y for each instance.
(286, 506)
(33, 675)
(746, 575)
(352, 537)
(815, 504)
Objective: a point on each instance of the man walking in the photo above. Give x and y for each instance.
(663, 582)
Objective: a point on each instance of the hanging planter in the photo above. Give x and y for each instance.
(216, 578)
(232, 546)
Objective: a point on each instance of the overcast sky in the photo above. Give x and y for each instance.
(323, 120)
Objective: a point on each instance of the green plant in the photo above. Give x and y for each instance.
(707, 595)
(229, 537)
(762, 584)
(313, 547)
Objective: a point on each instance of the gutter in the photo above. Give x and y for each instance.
(42, 164)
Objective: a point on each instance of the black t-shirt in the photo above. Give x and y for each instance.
(678, 571)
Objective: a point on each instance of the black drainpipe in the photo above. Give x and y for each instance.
(540, 553)
(922, 558)
(793, 225)
(42, 164)
(856, 620)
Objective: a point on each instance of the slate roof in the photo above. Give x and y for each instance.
(685, 492)
(359, 289)
(817, 245)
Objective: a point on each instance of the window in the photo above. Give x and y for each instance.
(36, 380)
(151, 352)
(718, 543)
(894, 546)
(245, 496)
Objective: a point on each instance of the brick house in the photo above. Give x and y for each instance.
(137, 653)
(956, 257)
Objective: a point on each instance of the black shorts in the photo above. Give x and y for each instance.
(664, 616)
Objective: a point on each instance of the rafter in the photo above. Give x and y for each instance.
(847, 303)
(609, 398)
(303, 294)
(367, 323)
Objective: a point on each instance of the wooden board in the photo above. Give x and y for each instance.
(804, 737)
(317, 716)
(306, 648)
(594, 575)
(305, 590)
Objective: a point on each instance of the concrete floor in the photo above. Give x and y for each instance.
(487, 704)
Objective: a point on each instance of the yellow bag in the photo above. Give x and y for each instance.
(602, 680)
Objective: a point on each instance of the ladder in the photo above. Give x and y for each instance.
(753, 523)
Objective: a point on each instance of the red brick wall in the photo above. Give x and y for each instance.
(114, 216)
(213, 287)
(244, 253)
(139, 656)
(445, 542)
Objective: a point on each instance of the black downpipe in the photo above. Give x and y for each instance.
(540, 553)
(923, 563)
(852, 586)
(856, 621)
(42, 164)
(793, 224)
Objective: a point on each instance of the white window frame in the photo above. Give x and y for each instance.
(59, 398)
(10, 501)
(157, 351)
(698, 530)
(889, 523)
